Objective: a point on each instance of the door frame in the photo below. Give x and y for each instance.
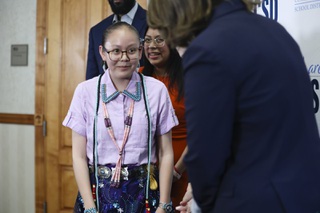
(40, 178)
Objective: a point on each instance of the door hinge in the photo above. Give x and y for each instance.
(45, 207)
(44, 128)
(40, 121)
(45, 45)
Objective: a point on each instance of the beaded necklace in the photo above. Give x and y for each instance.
(105, 100)
(115, 180)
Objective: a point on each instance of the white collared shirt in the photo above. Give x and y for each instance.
(127, 17)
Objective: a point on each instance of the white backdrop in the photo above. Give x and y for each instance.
(301, 18)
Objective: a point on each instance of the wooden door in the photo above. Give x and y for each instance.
(65, 24)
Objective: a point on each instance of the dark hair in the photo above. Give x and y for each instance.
(117, 26)
(173, 69)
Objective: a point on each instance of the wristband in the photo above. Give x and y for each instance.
(91, 210)
(167, 207)
(176, 173)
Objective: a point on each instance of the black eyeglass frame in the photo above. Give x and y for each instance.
(125, 51)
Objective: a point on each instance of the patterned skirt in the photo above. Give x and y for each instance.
(129, 196)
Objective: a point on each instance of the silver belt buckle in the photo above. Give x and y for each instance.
(124, 172)
(104, 172)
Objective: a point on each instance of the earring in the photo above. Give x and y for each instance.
(104, 65)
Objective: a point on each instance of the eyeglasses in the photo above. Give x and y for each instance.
(116, 54)
(159, 42)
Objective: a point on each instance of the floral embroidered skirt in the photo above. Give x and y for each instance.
(130, 196)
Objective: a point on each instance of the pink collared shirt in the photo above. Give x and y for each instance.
(80, 118)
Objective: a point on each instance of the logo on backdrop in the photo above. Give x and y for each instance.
(303, 5)
(314, 71)
(270, 9)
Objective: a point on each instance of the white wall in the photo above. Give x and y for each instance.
(17, 192)
(17, 89)
(18, 26)
(301, 18)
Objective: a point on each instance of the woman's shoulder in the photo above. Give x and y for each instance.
(87, 87)
(93, 82)
(154, 86)
(150, 80)
(153, 82)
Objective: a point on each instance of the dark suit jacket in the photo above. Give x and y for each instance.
(94, 63)
(252, 135)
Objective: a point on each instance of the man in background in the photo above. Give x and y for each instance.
(123, 10)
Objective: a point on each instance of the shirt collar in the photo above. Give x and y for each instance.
(110, 88)
(127, 17)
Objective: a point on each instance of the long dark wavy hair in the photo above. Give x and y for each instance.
(173, 69)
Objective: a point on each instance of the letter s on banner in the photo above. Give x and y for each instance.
(315, 89)
(270, 9)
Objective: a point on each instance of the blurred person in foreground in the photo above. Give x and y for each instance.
(253, 141)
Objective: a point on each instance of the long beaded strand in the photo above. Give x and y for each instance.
(115, 180)
(147, 106)
(95, 191)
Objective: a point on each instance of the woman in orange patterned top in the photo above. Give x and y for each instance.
(164, 64)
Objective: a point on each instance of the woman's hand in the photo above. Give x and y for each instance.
(185, 204)
(176, 174)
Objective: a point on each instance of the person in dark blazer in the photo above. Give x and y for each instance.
(124, 10)
(252, 134)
